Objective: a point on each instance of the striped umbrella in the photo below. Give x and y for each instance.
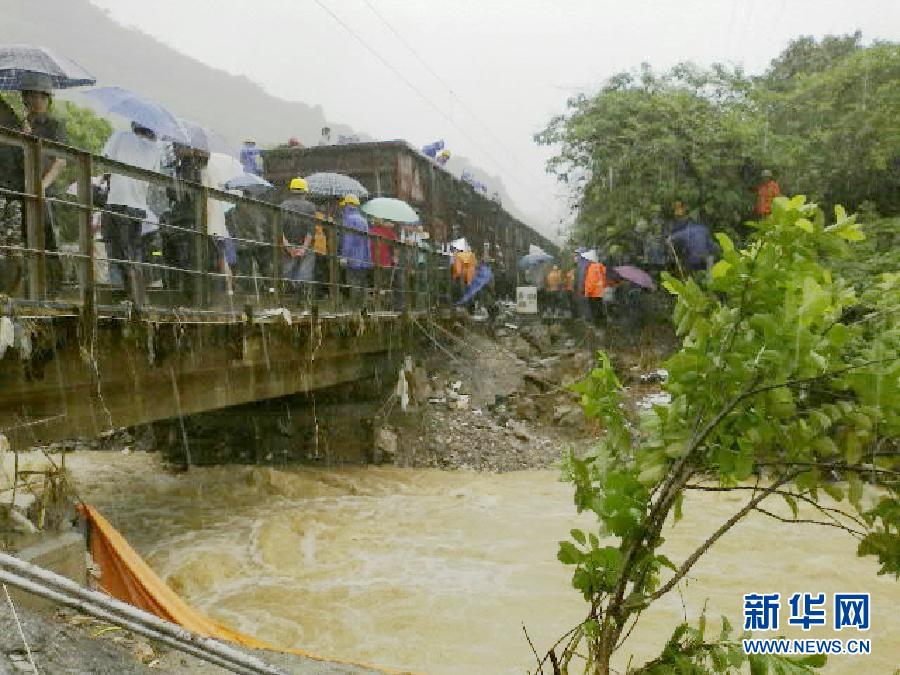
(335, 185)
(19, 60)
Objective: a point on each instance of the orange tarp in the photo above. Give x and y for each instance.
(126, 577)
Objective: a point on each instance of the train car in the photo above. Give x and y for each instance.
(448, 205)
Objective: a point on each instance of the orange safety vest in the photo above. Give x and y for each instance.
(320, 241)
(456, 266)
(464, 266)
(765, 193)
(554, 279)
(595, 280)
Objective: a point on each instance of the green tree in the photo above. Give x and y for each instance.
(785, 388)
(86, 130)
(806, 55)
(823, 117)
(647, 140)
(831, 125)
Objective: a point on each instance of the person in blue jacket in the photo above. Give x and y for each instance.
(355, 252)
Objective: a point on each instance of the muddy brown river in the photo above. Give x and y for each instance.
(437, 571)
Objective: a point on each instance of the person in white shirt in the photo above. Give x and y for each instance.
(126, 203)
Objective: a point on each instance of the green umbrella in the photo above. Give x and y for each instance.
(388, 208)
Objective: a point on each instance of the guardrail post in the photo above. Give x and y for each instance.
(277, 257)
(201, 248)
(409, 276)
(86, 240)
(36, 263)
(334, 290)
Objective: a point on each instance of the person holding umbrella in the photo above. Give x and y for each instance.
(36, 72)
(12, 178)
(37, 97)
(127, 210)
(385, 258)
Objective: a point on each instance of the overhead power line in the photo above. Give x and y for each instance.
(387, 64)
(436, 76)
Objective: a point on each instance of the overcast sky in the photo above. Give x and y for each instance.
(513, 63)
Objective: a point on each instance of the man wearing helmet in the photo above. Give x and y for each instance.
(296, 235)
(355, 253)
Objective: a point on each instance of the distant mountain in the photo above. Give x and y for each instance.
(235, 106)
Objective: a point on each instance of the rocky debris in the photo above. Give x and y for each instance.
(568, 415)
(503, 405)
(539, 336)
(386, 445)
(654, 398)
(526, 409)
(655, 376)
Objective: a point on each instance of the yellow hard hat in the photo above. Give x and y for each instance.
(444, 153)
(298, 185)
(350, 200)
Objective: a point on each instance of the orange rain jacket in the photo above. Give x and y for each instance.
(554, 280)
(595, 280)
(463, 266)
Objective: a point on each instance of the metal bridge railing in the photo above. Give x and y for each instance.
(197, 247)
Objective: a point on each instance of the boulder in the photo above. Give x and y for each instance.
(567, 415)
(386, 445)
(525, 408)
(419, 386)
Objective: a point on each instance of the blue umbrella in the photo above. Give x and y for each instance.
(17, 61)
(533, 259)
(248, 181)
(143, 111)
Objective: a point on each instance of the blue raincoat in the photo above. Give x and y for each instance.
(482, 278)
(355, 247)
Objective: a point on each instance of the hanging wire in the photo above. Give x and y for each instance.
(437, 108)
(21, 632)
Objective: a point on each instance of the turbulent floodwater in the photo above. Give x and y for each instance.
(437, 571)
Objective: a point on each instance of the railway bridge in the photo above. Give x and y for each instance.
(90, 342)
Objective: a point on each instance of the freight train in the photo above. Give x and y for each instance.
(449, 206)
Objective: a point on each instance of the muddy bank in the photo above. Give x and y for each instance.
(64, 642)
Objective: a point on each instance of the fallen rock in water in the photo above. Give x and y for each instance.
(386, 445)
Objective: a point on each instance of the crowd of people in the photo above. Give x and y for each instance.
(148, 231)
(151, 235)
(592, 287)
